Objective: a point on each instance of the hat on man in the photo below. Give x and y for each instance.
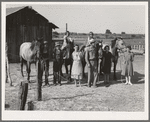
(57, 44)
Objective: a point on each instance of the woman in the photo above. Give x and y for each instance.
(127, 70)
(107, 59)
(77, 66)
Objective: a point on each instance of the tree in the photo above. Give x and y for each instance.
(108, 31)
(123, 33)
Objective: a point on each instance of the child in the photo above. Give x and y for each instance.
(57, 54)
(107, 57)
(77, 66)
(127, 70)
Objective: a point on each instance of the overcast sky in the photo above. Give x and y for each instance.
(97, 18)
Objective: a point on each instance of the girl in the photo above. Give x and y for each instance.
(77, 66)
(127, 70)
(107, 59)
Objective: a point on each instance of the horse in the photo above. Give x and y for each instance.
(67, 56)
(116, 44)
(29, 53)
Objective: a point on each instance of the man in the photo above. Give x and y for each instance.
(91, 60)
(90, 38)
(100, 59)
(67, 41)
(45, 62)
(57, 54)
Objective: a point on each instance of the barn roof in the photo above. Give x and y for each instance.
(13, 10)
(10, 11)
(53, 25)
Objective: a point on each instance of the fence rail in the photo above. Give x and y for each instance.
(138, 47)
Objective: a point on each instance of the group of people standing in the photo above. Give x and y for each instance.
(97, 61)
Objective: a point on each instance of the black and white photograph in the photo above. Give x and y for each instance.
(74, 60)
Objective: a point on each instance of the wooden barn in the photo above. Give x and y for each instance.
(23, 24)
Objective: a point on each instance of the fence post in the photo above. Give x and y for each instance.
(139, 47)
(39, 80)
(8, 78)
(23, 91)
(134, 47)
(142, 47)
(30, 105)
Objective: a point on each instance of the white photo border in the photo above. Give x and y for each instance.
(74, 115)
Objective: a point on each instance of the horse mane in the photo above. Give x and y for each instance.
(32, 45)
(113, 48)
(113, 42)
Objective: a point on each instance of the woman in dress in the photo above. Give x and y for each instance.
(77, 66)
(107, 59)
(127, 70)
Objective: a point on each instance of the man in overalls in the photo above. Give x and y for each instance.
(91, 60)
(45, 62)
(58, 57)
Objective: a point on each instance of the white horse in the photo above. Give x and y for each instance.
(29, 53)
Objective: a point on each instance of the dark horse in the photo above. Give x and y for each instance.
(29, 53)
(67, 56)
(116, 44)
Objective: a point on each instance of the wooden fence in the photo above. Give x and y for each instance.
(138, 47)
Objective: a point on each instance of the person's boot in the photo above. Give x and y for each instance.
(126, 83)
(129, 83)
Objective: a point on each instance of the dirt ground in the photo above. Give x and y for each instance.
(68, 97)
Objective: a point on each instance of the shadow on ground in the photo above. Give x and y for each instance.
(136, 79)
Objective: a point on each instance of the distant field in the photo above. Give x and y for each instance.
(131, 42)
